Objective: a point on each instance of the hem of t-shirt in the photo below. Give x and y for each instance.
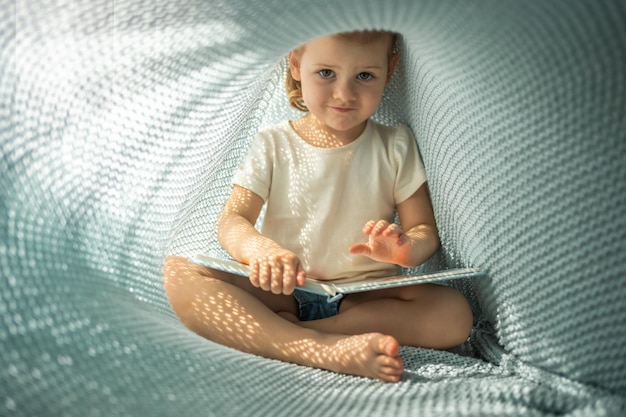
(409, 194)
(254, 186)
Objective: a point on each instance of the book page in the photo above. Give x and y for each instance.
(333, 288)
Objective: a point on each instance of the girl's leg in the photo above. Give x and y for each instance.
(430, 316)
(230, 311)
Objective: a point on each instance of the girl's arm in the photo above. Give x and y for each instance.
(272, 267)
(235, 231)
(417, 218)
(389, 242)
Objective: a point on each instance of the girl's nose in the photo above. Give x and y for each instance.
(344, 91)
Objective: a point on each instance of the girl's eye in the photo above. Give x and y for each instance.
(364, 76)
(326, 73)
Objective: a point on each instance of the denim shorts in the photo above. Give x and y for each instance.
(314, 307)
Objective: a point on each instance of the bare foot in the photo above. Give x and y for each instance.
(372, 355)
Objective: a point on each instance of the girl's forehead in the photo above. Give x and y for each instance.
(343, 46)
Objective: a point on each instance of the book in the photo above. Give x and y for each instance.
(336, 289)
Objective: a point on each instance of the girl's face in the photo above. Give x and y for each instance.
(343, 81)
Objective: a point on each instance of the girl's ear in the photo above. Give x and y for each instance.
(393, 62)
(294, 65)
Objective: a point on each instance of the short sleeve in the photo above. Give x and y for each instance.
(411, 174)
(255, 171)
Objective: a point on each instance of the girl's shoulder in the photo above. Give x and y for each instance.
(397, 139)
(274, 135)
(401, 131)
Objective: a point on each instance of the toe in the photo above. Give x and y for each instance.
(387, 345)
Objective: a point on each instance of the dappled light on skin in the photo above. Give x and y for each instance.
(203, 308)
(316, 134)
(371, 355)
(225, 310)
(237, 200)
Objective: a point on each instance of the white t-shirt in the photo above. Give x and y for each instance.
(319, 199)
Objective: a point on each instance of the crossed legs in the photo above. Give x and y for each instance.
(363, 339)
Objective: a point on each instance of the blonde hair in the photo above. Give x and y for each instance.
(294, 87)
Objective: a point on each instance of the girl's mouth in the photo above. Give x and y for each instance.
(342, 109)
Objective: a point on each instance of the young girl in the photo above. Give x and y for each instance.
(329, 180)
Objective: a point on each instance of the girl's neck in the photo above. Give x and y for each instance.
(315, 133)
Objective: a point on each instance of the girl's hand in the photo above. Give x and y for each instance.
(386, 243)
(277, 270)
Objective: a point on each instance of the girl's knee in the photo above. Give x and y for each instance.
(173, 268)
(176, 276)
(184, 284)
(450, 313)
(448, 310)
(460, 319)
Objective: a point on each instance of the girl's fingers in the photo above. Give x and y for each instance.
(393, 229)
(374, 227)
(381, 227)
(367, 229)
(254, 274)
(301, 275)
(276, 274)
(277, 277)
(289, 280)
(293, 275)
(265, 275)
(258, 273)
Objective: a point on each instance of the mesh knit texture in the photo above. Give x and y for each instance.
(122, 123)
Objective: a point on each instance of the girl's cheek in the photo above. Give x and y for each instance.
(314, 93)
